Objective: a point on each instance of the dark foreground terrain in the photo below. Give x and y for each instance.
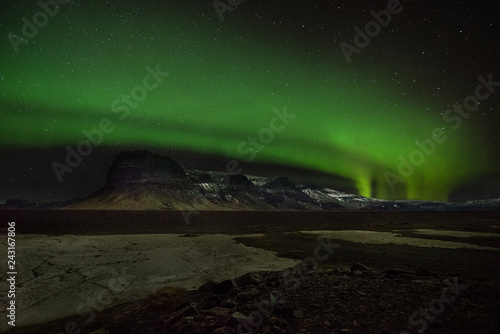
(339, 287)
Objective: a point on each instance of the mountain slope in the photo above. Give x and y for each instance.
(141, 180)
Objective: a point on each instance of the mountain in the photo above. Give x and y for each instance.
(141, 180)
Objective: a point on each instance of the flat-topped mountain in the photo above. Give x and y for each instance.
(144, 169)
(141, 180)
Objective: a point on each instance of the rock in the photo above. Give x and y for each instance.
(359, 267)
(223, 287)
(424, 272)
(207, 287)
(169, 295)
(395, 272)
(298, 314)
(250, 279)
(235, 319)
(212, 300)
(223, 330)
(228, 303)
(100, 331)
(238, 315)
(232, 293)
(219, 312)
(277, 329)
(246, 295)
(332, 271)
(344, 271)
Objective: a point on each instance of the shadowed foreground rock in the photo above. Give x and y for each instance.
(355, 300)
(338, 301)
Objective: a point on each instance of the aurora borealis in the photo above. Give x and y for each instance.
(228, 79)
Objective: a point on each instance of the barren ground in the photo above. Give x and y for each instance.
(386, 274)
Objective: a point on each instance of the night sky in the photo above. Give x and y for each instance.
(280, 87)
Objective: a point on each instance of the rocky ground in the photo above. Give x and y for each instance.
(355, 300)
(308, 300)
(361, 288)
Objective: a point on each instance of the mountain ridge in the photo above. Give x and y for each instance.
(141, 180)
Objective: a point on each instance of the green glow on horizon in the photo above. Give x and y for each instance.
(220, 90)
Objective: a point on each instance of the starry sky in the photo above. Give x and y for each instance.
(282, 88)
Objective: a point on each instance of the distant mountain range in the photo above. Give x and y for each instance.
(141, 180)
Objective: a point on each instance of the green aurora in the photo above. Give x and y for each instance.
(224, 84)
